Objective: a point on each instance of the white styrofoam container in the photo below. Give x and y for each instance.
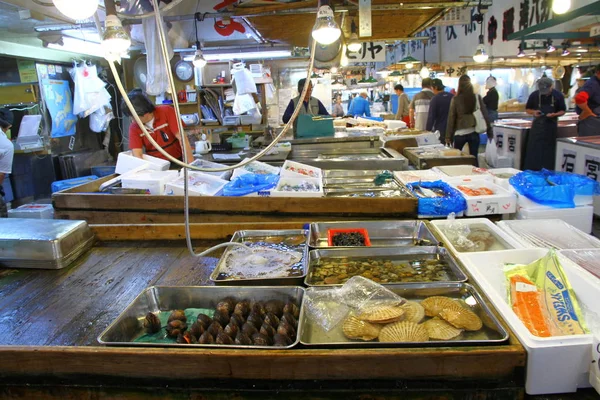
(255, 167)
(286, 180)
(580, 217)
(463, 171)
(557, 364)
(501, 202)
(505, 241)
(418, 175)
(579, 200)
(153, 181)
(209, 164)
(200, 184)
(503, 182)
(126, 162)
(395, 124)
(291, 168)
(554, 233)
(33, 210)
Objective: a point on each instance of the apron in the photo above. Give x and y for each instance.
(541, 142)
(313, 109)
(590, 126)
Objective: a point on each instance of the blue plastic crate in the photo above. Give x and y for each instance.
(57, 186)
(103, 170)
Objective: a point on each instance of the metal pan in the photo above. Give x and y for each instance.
(401, 254)
(251, 236)
(492, 333)
(381, 233)
(351, 174)
(129, 325)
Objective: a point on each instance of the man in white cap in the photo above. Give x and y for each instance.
(491, 98)
(546, 105)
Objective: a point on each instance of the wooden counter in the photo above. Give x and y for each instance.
(84, 202)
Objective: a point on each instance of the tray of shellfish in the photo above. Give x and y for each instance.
(416, 264)
(272, 257)
(209, 316)
(438, 314)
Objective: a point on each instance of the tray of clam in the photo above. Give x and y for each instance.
(438, 314)
(423, 264)
(209, 316)
(273, 257)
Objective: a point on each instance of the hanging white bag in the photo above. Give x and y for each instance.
(480, 123)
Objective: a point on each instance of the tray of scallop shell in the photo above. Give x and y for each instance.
(208, 316)
(438, 314)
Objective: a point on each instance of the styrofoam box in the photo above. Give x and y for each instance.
(579, 200)
(463, 171)
(200, 184)
(313, 172)
(126, 162)
(153, 181)
(256, 167)
(395, 124)
(501, 202)
(502, 181)
(422, 175)
(209, 164)
(503, 240)
(580, 217)
(284, 180)
(439, 217)
(557, 364)
(37, 211)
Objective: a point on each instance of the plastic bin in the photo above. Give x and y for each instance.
(103, 170)
(200, 184)
(299, 170)
(152, 181)
(419, 175)
(286, 180)
(501, 177)
(548, 233)
(57, 186)
(579, 217)
(126, 162)
(255, 167)
(557, 364)
(462, 171)
(33, 210)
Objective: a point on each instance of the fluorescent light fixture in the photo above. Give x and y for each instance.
(80, 47)
(250, 55)
(115, 40)
(326, 30)
(561, 6)
(76, 9)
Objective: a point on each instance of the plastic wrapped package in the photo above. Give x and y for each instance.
(549, 233)
(586, 259)
(437, 198)
(100, 119)
(327, 308)
(250, 183)
(458, 234)
(244, 81)
(90, 93)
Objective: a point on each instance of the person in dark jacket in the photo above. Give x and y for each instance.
(437, 119)
(491, 99)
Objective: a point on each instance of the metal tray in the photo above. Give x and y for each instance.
(128, 326)
(388, 253)
(381, 233)
(244, 236)
(42, 243)
(351, 174)
(493, 332)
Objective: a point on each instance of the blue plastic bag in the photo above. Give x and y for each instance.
(583, 185)
(250, 183)
(452, 202)
(536, 187)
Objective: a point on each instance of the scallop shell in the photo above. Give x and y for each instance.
(462, 318)
(382, 314)
(413, 311)
(354, 328)
(439, 329)
(435, 304)
(403, 331)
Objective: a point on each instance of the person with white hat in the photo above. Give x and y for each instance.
(491, 98)
(546, 105)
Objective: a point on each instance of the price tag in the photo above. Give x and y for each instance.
(72, 143)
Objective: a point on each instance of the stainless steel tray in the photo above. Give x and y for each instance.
(387, 253)
(351, 174)
(247, 236)
(492, 333)
(42, 243)
(381, 233)
(353, 159)
(129, 325)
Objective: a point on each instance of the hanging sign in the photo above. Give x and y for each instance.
(369, 52)
(595, 31)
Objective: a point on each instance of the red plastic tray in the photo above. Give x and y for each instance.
(332, 232)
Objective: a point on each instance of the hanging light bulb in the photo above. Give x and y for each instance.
(424, 72)
(561, 6)
(333, 70)
(77, 9)
(354, 44)
(550, 48)
(115, 40)
(480, 55)
(199, 60)
(326, 30)
(409, 65)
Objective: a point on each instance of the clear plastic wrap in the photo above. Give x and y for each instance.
(586, 259)
(549, 233)
(327, 308)
(457, 233)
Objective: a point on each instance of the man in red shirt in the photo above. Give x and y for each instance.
(161, 123)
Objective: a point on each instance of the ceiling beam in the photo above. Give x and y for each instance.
(590, 9)
(559, 35)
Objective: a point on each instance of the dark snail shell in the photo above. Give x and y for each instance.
(258, 307)
(286, 329)
(272, 320)
(243, 339)
(223, 338)
(221, 318)
(206, 338)
(205, 320)
(237, 319)
(197, 329)
(275, 307)
(289, 318)
(292, 309)
(242, 308)
(186, 338)
(214, 329)
(281, 340)
(151, 323)
(177, 314)
(226, 305)
(255, 319)
(232, 330)
(175, 327)
(267, 330)
(261, 340)
(249, 329)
